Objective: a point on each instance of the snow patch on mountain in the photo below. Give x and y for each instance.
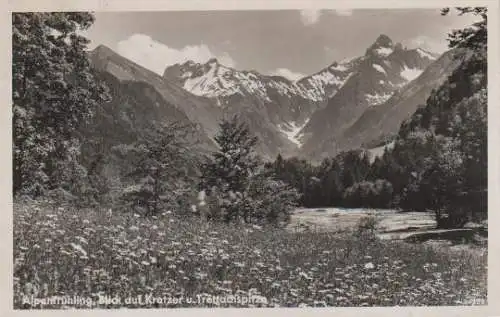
(211, 84)
(379, 68)
(410, 73)
(317, 84)
(339, 67)
(187, 75)
(384, 51)
(292, 131)
(375, 99)
(426, 54)
(221, 81)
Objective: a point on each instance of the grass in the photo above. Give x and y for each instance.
(88, 253)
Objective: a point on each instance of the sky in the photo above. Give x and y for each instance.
(291, 43)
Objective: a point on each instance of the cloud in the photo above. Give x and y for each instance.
(310, 16)
(434, 45)
(343, 12)
(287, 74)
(330, 50)
(156, 56)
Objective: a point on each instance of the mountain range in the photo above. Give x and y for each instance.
(356, 103)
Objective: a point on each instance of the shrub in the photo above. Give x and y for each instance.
(273, 201)
(365, 228)
(376, 194)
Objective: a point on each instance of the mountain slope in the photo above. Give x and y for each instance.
(385, 119)
(200, 111)
(283, 99)
(385, 68)
(133, 108)
(275, 107)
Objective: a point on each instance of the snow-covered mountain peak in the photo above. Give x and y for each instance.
(389, 64)
(213, 79)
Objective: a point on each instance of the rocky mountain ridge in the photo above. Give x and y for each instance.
(313, 117)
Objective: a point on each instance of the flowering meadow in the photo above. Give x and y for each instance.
(67, 252)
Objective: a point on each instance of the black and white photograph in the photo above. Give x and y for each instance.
(270, 158)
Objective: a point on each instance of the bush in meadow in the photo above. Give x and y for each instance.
(365, 228)
(376, 194)
(273, 200)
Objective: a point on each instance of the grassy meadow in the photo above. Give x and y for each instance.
(91, 253)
